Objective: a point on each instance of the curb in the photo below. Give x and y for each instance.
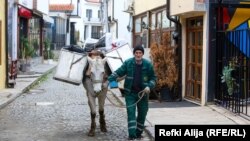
(16, 95)
(10, 100)
(38, 79)
(237, 118)
(147, 131)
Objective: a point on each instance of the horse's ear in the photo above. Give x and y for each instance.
(104, 60)
(90, 60)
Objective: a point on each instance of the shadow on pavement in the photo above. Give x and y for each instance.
(179, 104)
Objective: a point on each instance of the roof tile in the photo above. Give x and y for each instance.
(61, 7)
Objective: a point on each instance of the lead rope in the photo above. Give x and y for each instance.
(140, 95)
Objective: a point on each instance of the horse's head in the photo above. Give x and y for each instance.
(97, 72)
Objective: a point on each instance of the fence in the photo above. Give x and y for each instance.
(233, 71)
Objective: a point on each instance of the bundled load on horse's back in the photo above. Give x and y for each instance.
(74, 67)
(96, 85)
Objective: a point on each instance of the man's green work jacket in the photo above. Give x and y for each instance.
(128, 69)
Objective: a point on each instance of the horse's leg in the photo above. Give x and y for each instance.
(91, 102)
(101, 102)
(92, 105)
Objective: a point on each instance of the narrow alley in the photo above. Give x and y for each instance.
(58, 111)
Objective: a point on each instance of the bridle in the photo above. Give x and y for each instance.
(96, 74)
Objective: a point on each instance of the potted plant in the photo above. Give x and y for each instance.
(35, 44)
(48, 54)
(228, 76)
(164, 61)
(26, 51)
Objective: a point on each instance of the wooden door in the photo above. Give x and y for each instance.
(194, 58)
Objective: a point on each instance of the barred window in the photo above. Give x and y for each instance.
(86, 32)
(88, 14)
(96, 32)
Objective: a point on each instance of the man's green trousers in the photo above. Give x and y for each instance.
(136, 124)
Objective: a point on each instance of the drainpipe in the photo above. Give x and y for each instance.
(105, 10)
(6, 44)
(113, 19)
(179, 49)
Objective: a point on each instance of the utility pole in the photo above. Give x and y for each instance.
(105, 14)
(108, 36)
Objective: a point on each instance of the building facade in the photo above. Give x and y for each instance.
(37, 24)
(148, 16)
(228, 59)
(150, 24)
(92, 19)
(193, 15)
(3, 54)
(120, 19)
(26, 20)
(64, 26)
(215, 48)
(189, 20)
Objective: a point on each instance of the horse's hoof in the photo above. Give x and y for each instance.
(104, 130)
(91, 134)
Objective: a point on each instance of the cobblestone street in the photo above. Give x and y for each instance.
(58, 111)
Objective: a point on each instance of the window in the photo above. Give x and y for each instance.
(140, 37)
(96, 32)
(153, 22)
(86, 32)
(165, 20)
(99, 14)
(138, 25)
(89, 14)
(145, 21)
(159, 21)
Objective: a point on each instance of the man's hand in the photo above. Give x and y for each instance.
(146, 90)
(113, 84)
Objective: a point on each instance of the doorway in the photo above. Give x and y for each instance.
(23, 32)
(194, 50)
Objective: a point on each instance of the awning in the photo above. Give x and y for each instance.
(23, 12)
(48, 19)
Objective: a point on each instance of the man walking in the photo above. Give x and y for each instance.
(140, 77)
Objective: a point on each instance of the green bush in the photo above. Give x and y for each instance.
(26, 49)
(47, 54)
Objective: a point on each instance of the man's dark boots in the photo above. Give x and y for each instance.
(102, 121)
(93, 126)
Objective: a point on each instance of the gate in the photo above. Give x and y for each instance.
(233, 71)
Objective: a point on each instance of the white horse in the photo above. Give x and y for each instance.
(96, 84)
